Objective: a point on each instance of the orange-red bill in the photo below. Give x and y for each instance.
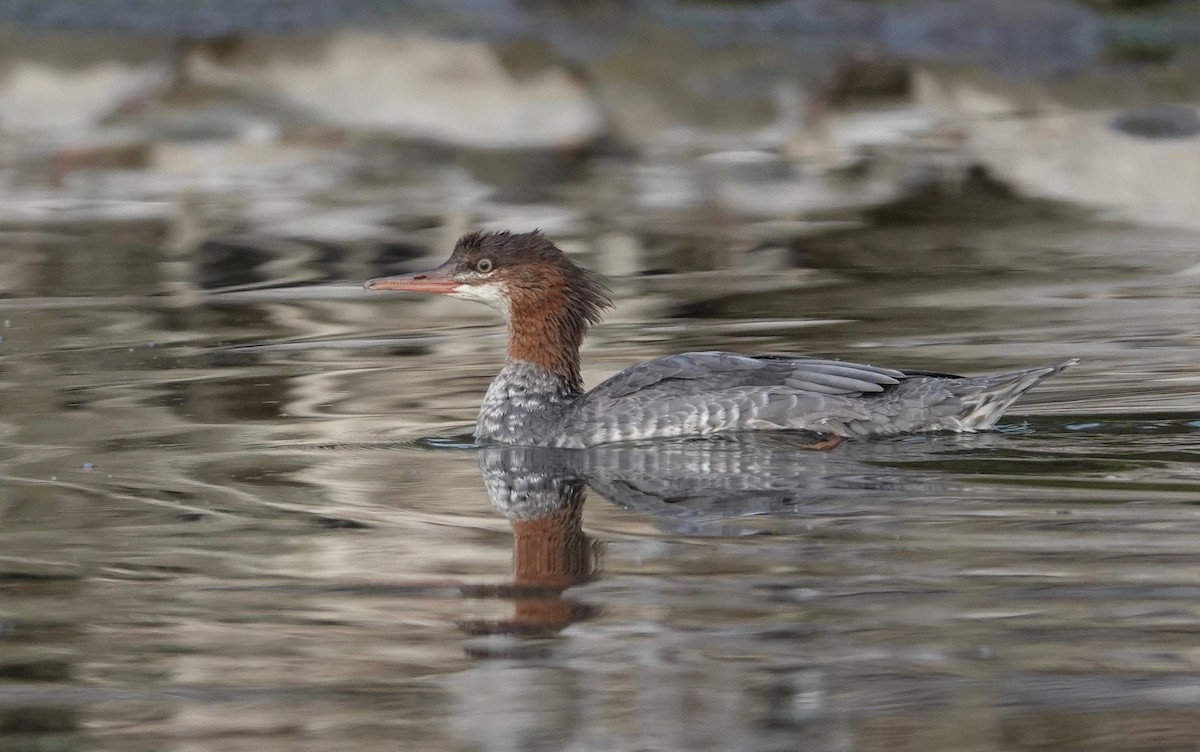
(435, 280)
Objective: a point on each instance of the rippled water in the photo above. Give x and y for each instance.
(236, 515)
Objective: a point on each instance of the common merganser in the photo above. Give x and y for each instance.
(538, 398)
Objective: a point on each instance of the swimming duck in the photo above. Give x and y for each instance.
(538, 399)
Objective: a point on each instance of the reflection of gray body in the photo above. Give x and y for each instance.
(538, 398)
(686, 484)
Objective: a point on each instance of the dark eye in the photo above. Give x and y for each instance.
(483, 266)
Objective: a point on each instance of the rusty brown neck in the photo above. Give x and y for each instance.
(548, 333)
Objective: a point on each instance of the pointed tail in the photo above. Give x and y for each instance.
(987, 397)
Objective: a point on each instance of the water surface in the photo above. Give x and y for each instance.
(240, 510)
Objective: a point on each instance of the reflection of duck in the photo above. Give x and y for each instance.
(550, 550)
(687, 485)
(538, 398)
(691, 486)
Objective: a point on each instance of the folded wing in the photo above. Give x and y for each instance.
(690, 373)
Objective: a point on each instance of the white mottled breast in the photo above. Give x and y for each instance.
(523, 405)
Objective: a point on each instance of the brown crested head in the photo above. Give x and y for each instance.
(531, 273)
(506, 270)
(549, 300)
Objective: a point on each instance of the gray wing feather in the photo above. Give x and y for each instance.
(825, 383)
(729, 371)
(710, 392)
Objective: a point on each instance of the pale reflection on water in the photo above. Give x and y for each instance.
(247, 518)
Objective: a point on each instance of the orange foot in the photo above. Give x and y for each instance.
(829, 442)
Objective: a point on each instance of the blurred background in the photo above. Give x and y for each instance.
(239, 506)
(673, 135)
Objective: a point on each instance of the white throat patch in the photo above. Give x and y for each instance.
(492, 294)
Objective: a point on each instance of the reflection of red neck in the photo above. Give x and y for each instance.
(552, 552)
(549, 555)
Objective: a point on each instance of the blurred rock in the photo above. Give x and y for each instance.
(451, 91)
(57, 84)
(1041, 145)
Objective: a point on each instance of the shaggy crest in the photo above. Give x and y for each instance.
(550, 301)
